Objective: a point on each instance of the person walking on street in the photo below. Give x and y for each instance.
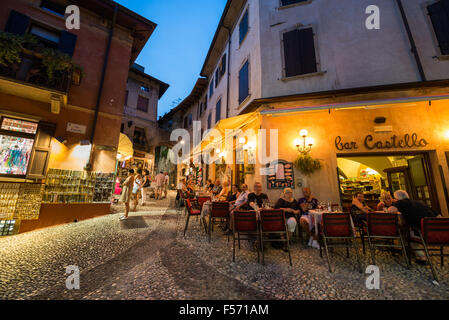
(166, 184)
(125, 197)
(136, 188)
(160, 179)
(145, 185)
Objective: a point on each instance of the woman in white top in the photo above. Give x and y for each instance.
(125, 197)
(146, 183)
(137, 186)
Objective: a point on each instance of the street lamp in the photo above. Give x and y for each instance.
(305, 145)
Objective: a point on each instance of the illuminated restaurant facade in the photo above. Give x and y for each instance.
(373, 101)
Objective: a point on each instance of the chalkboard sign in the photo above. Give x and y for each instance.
(280, 175)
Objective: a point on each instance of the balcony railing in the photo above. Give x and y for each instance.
(30, 70)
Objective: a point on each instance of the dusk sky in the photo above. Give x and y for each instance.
(176, 51)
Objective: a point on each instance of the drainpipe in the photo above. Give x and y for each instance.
(100, 90)
(412, 41)
(229, 71)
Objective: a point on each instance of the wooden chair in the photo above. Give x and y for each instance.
(219, 212)
(382, 230)
(338, 226)
(193, 209)
(360, 229)
(245, 224)
(202, 200)
(272, 222)
(434, 233)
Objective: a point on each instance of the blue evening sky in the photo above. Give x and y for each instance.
(176, 50)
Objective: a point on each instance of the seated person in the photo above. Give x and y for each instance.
(256, 199)
(413, 212)
(190, 190)
(359, 209)
(233, 194)
(385, 201)
(242, 198)
(209, 186)
(291, 208)
(216, 188)
(223, 194)
(306, 203)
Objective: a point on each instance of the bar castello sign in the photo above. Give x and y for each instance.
(394, 142)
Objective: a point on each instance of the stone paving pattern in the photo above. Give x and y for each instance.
(147, 257)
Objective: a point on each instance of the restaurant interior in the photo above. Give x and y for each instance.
(372, 175)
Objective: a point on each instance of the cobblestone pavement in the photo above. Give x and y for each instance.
(147, 257)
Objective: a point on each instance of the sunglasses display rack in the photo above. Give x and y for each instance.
(104, 185)
(68, 186)
(29, 201)
(9, 193)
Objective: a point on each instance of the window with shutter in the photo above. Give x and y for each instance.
(67, 42)
(53, 7)
(17, 23)
(288, 2)
(41, 153)
(291, 53)
(217, 77)
(209, 120)
(46, 37)
(243, 27)
(142, 104)
(299, 52)
(211, 88)
(244, 82)
(126, 97)
(218, 111)
(439, 14)
(223, 65)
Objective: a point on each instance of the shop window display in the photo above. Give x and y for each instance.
(14, 154)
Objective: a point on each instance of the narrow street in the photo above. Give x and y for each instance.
(147, 257)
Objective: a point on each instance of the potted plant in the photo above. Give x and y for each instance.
(10, 49)
(307, 165)
(55, 61)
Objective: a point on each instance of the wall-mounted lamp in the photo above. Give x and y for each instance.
(249, 146)
(446, 135)
(61, 140)
(85, 143)
(305, 145)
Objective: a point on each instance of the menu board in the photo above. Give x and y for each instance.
(14, 154)
(280, 175)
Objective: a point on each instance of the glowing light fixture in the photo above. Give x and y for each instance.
(305, 144)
